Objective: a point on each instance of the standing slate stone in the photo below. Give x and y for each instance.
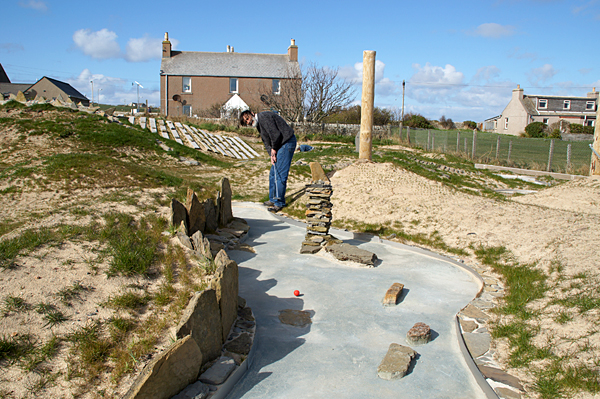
(210, 213)
(195, 211)
(225, 211)
(396, 362)
(226, 285)
(201, 245)
(169, 373)
(202, 319)
(179, 214)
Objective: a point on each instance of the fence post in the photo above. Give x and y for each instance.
(428, 139)
(474, 144)
(550, 156)
(458, 141)
(498, 148)
(466, 151)
(408, 134)
(568, 157)
(433, 141)
(509, 151)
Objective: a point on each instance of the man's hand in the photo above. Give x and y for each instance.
(273, 156)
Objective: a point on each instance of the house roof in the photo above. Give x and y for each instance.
(14, 88)
(65, 87)
(3, 76)
(243, 65)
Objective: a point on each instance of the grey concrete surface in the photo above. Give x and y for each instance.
(338, 354)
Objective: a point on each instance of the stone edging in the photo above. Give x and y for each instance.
(494, 382)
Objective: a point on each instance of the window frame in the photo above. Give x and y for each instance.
(545, 106)
(587, 105)
(566, 104)
(276, 82)
(184, 78)
(506, 123)
(545, 120)
(237, 87)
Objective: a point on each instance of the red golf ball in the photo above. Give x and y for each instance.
(296, 292)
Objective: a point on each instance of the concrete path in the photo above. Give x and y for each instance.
(338, 354)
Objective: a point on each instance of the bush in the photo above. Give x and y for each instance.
(536, 130)
(417, 120)
(447, 123)
(470, 125)
(580, 129)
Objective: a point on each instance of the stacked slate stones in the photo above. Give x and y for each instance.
(318, 214)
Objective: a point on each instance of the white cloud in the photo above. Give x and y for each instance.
(143, 49)
(34, 4)
(433, 84)
(383, 86)
(541, 75)
(101, 44)
(523, 55)
(493, 30)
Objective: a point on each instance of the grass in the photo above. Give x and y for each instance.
(68, 294)
(129, 300)
(14, 304)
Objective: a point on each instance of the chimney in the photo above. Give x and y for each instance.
(166, 46)
(228, 48)
(293, 52)
(593, 93)
(517, 93)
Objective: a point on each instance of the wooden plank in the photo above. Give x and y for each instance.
(246, 146)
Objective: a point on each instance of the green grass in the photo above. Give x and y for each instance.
(14, 348)
(129, 301)
(14, 304)
(90, 348)
(68, 294)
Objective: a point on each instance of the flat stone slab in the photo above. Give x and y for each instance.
(349, 252)
(296, 318)
(219, 371)
(241, 344)
(396, 362)
(478, 344)
(197, 390)
(500, 376)
(474, 313)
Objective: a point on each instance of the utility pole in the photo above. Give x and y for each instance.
(92, 82)
(595, 165)
(368, 98)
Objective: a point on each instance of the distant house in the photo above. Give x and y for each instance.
(52, 89)
(7, 87)
(192, 81)
(525, 109)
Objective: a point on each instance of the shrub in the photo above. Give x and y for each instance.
(470, 125)
(536, 129)
(417, 120)
(447, 123)
(580, 129)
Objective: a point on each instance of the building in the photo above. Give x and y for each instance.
(7, 87)
(193, 81)
(52, 89)
(525, 109)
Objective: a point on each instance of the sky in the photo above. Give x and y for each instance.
(459, 59)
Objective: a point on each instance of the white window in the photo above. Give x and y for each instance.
(233, 85)
(187, 110)
(589, 122)
(505, 123)
(542, 103)
(187, 84)
(276, 86)
(545, 120)
(567, 104)
(590, 105)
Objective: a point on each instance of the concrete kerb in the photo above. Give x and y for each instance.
(528, 172)
(365, 237)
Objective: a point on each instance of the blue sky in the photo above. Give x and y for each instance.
(459, 59)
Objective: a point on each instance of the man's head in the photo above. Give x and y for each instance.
(246, 118)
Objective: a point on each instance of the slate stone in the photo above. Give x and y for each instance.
(245, 313)
(222, 259)
(241, 344)
(505, 393)
(346, 252)
(317, 172)
(296, 318)
(310, 249)
(202, 319)
(478, 344)
(419, 334)
(195, 210)
(172, 371)
(396, 362)
(225, 211)
(226, 285)
(474, 313)
(468, 325)
(211, 216)
(218, 372)
(201, 245)
(197, 390)
(393, 294)
(185, 240)
(179, 214)
(239, 224)
(500, 376)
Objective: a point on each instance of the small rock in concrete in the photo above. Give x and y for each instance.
(393, 294)
(474, 313)
(195, 391)
(419, 334)
(218, 372)
(396, 362)
(468, 325)
(297, 318)
(309, 249)
(505, 393)
(345, 252)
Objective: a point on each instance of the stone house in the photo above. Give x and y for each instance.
(7, 87)
(52, 89)
(192, 81)
(525, 109)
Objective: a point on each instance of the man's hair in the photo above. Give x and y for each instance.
(242, 115)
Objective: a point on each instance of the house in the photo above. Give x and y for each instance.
(525, 109)
(55, 89)
(7, 87)
(193, 81)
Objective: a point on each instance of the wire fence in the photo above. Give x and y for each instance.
(552, 155)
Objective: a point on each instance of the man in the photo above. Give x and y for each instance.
(280, 143)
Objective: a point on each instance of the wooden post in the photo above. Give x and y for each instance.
(595, 164)
(368, 98)
(474, 151)
(428, 140)
(550, 154)
(568, 158)
(498, 148)
(509, 151)
(408, 134)
(458, 141)
(466, 151)
(433, 141)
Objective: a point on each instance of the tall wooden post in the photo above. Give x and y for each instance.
(595, 165)
(366, 111)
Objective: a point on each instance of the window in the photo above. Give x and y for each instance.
(233, 85)
(276, 87)
(505, 123)
(545, 120)
(567, 104)
(187, 110)
(590, 105)
(187, 84)
(542, 103)
(589, 122)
